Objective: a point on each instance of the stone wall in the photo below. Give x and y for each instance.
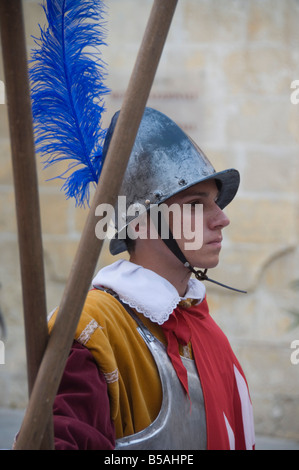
(225, 77)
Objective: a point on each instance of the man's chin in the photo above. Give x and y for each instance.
(208, 265)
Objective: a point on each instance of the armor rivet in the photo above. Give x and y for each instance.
(182, 182)
(158, 195)
(147, 202)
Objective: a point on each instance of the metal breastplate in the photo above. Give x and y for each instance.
(180, 424)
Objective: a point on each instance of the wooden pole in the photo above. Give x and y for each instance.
(26, 186)
(53, 363)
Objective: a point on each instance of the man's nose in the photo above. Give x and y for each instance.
(219, 219)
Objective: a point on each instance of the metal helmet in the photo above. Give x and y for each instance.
(164, 161)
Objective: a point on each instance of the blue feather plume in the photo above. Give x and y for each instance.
(67, 92)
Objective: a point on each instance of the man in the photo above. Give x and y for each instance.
(149, 368)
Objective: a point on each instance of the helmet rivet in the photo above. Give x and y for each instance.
(182, 182)
(158, 195)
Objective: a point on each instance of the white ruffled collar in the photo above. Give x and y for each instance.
(144, 290)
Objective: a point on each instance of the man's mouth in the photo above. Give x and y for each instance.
(216, 242)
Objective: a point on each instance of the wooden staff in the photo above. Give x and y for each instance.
(53, 363)
(26, 187)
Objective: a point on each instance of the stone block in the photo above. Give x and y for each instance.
(48, 177)
(293, 124)
(7, 211)
(6, 171)
(4, 128)
(263, 70)
(241, 265)
(271, 20)
(11, 292)
(34, 16)
(59, 254)
(129, 31)
(79, 218)
(268, 121)
(54, 213)
(210, 21)
(271, 171)
(273, 383)
(262, 221)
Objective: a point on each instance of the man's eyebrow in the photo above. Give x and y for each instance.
(197, 194)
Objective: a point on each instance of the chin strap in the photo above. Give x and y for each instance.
(202, 276)
(171, 243)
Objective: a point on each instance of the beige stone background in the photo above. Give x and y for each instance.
(225, 77)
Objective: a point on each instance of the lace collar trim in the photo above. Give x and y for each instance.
(144, 290)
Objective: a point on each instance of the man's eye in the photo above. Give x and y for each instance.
(195, 203)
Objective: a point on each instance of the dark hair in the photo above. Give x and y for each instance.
(130, 244)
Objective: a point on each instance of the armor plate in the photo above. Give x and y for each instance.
(181, 423)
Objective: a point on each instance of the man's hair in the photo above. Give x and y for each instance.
(130, 244)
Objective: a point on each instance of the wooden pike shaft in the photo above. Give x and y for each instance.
(53, 363)
(26, 186)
